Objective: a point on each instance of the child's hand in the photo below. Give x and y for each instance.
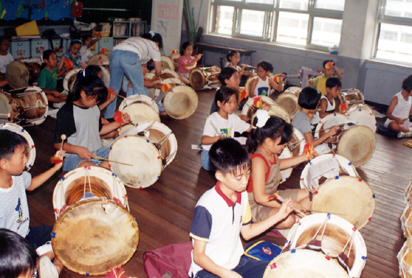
(155, 78)
(198, 56)
(298, 206)
(266, 106)
(84, 153)
(400, 121)
(126, 118)
(333, 131)
(286, 208)
(244, 66)
(60, 154)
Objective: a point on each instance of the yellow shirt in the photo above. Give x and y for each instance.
(320, 84)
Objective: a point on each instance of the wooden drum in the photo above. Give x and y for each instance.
(17, 75)
(202, 76)
(405, 259)
(181, 102)
(253, 104)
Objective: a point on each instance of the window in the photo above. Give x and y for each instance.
(308, 23)
(394, 40)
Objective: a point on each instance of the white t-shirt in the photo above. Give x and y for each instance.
(262, 87)
(5, 61)
(85, 53)
(14, 211)
(146, 49)
(225, 127)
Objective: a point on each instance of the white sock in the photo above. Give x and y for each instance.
(47, 269)
(404, 134)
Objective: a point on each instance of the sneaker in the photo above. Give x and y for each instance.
(47, 269)
(404, 134)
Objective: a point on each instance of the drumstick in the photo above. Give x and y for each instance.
(294, 145)
(114, 161)
(331, 212)
(281, 199)
(63, 137)
(215, 128)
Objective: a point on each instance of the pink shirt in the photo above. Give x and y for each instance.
(183, 61)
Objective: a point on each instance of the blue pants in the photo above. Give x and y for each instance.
(123, 62)
(71, 162)
(205, 160)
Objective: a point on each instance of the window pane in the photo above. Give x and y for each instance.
(252, 23)
(292, 28)
(330, 5)
(395, 43)
(398, 8)
(224, 20)
(260, 1)
(294, 4)
(326, 31)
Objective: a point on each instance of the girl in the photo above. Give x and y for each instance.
(223, 123)
(400, 109)
(228, 77)
(262, 84)
(5, 59)
(186, 62)
(88, 42)
(233, 59)
(265, 143)
(73, 55)
(48, 78)
(79, 119)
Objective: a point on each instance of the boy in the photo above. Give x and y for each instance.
(5, 59)
(327, 102)
(222, 213)
(308, 102)
(14, 210)
(329, 69)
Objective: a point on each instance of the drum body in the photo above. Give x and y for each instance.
(249, 109)
(294, 90)
(31, 155)
(175, 58)
(93, 236)
(289, 102)
(297, 143)
(34, 71)
(337, 233)
(286, 173)
(167, 63)
(140, 108)
(202, 76)
(70, 79)
(349, 197)
(90, 179)
(408, 193)
(181, 102)
(17, 75)
(29, 107)
(405, 259)
(303, 264)
(142, 154)
(160, 134)
(168, 73)
(362, 114)
(351, 96)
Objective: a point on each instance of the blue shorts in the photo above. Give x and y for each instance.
(72, 161)
(40, 235)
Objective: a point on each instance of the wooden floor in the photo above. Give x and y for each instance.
(164, 211)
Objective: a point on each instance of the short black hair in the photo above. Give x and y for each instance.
(327, 61)
(73, 41)
(156, 38)
(92, 85)
(184, 46)
(47, 53)
(407, 84)
(93, 69)
(3, 38)
(86, 36)
(265, 65)
(309, 98)
(224, 94)
(17, 255)
(231, 54)
(332, 82)
(228, 156)
(226, 73)
(9, 141)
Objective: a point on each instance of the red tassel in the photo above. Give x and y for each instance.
(56, 160)
(118, 117)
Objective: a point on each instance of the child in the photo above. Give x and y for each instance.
(327, 102)
(5, 59)
(79, 119)
(85, 52)
(308, 102)
(14, 210)
(222, 123)
(186, 61)
(262, 84)
(48, 78)
(73, 55)
(400, 109)
(265, 143)
(233, 59)
(329, 69)
(222, 213)
(228, 77)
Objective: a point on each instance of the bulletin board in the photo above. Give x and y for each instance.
(167, 21)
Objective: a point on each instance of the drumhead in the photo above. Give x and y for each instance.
(17, 75)
(70, 188)
(181, 102)
(155, 132)
(139, 99)
(168, 73)
(349, 197)
(289, 102)
(362, 114)
(405, 258)
(106, 77)
(357, 144)
(139, 112)
(288, 171)
(143, 155)
(338, 232)
(303, 264)
(248, 84)
(167, 63)
(31, 155)
(31, 107)
(93, 236)
(69, 79)
(294, 90)
(329, 121)
(197, 79)
(99, 60)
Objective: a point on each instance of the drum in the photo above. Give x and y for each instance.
(248, 84)
(349, 197)
(406, 220)
(289, 102)
(181, 102)
(405, 259)
(85, 180)
(323, 168)
(175, 58)
(408, 193)
(142, 154)
(294, 90)
(160, 135)
(168, 73)
(333, 236)
(167, 63)
(27, 108)
(17, 75)
(351, 96)
(140, 108)
(249, 109)
(202, 76)
(70, 79)
(106, 77)
(286, 153)
(303, 264)
(296, 143)
(34, 67)
(31, 155)
(362, 114)
(95, 235)
(99, 60)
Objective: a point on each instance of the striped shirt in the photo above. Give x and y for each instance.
(146, 49)
(14, 211)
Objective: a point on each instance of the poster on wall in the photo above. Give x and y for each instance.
(167, 21)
